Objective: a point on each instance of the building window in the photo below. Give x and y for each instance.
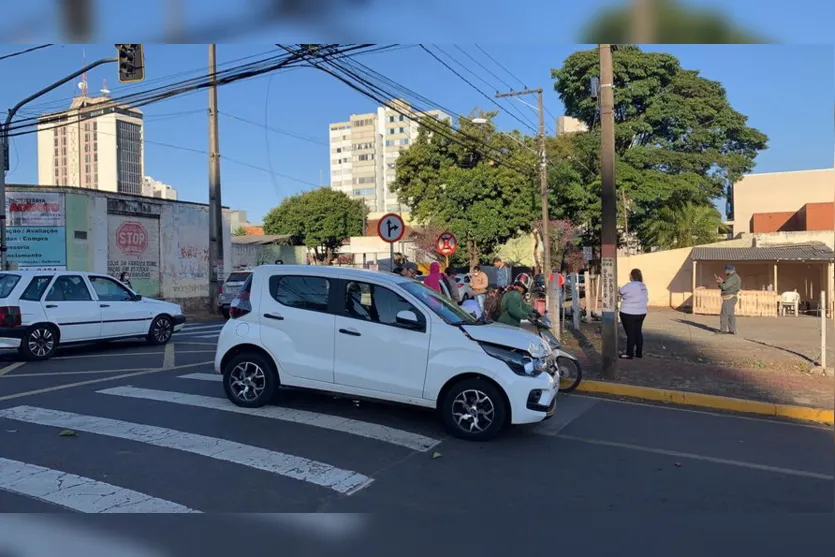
(389, 142)
(128, 157)
(366, 157)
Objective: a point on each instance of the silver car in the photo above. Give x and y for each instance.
(229, 289)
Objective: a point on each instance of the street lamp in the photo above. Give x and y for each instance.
(479, 120)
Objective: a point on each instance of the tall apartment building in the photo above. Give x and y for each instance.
(364, 153)
(567, 124)
(94, 144)
(155, 188)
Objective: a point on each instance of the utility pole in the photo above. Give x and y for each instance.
(4, 147)
(215, 210)
(551, 294)
(609, 217)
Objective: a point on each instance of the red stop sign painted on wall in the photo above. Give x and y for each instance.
(131, 238)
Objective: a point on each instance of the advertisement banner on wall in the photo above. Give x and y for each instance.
(133, 248)
(36, 233)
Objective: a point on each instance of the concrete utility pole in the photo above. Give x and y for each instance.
(609, 232)
(215, 207)
(551, 294)
(4, 146)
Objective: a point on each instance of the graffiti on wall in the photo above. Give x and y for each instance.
(133, 247)
(192, 266)
(36, 233)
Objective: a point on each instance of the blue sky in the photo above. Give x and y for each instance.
(786, 91)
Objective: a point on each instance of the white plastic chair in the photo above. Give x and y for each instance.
(790, 301)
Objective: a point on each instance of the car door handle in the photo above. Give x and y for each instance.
(352, 332)
(51, 305)
(104, 305)
(271, 316)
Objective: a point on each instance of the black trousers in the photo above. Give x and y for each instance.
(633, 325)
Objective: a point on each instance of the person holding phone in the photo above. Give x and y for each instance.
(730, 285)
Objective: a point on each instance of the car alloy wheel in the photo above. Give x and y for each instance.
(40, 342)
(162, 329)
(473, 411)
(247, 382)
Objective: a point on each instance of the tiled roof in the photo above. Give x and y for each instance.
(812, 251)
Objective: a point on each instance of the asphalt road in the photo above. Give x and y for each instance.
(148, 429)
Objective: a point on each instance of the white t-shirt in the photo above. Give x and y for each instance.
(634, 298)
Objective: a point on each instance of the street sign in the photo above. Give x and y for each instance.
(132, 238)
(588, 253)
(391, 228)
(447, 244)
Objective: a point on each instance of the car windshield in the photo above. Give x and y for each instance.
(238, 276)
(439, 304)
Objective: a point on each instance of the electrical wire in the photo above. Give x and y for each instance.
(502, 81)
(275, 130)
(27, 51)
(468, 82)
(502, 67)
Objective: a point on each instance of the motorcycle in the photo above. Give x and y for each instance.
(571, 373)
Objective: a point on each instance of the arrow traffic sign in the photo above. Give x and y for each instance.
(390, 228)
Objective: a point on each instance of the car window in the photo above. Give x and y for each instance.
(34, 292)
(237, 277)
(7, 284)
(310, 293)
(69, 288)
(440, 305)
(108, 290)
(370, 302)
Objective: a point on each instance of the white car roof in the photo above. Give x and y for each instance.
(332, 272)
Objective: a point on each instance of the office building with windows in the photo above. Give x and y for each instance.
(364, 153)
(95, 144)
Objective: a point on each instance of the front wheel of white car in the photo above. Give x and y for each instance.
(39, 343)
(250, 380)
(475, 410)
(161, 330)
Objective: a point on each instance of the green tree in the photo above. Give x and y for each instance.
(240, 231)
(460, 185)
(320, 219)
(677, 138)
(684, 225)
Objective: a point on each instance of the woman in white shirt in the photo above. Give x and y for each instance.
(633, 309)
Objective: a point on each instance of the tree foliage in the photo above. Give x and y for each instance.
(320, 219)
(459, 185)
(240, 231)
(684, 225)
(677, 138)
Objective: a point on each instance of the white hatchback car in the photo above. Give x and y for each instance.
(41, 309)
(381, 336)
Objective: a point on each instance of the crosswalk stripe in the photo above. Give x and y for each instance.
(203, 376)
(197, 335)
(413, 441)
(78, 492)
(291, 466)
(187, 329)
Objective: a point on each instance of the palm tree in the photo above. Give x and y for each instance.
(685, 225)
(240, 231)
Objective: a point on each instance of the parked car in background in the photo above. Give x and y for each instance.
(40, 310)
(229, 289)
(462, 280)
(381, 336)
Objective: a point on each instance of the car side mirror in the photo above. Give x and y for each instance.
(136, 297)
(408, 319)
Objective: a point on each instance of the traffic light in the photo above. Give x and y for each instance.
(131, 63)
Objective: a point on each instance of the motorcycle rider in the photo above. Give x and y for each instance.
(513, 305)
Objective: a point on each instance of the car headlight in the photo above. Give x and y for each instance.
(539, 349)
(519, 363)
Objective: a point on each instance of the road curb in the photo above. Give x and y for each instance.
(715, 402)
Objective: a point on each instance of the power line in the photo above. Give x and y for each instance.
(27, 51)
(468, 82)
(524, 86)
(467, 54)
(275, 130)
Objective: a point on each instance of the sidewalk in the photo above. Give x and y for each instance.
(772, 360)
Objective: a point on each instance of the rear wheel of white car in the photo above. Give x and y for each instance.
(39, 343)
(250, 380)
(475, 410)
(161, 330)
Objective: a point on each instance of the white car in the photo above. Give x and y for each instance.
(40, 310)
(381, 336)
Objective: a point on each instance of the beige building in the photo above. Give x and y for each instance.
(567, 124)
(155, 188)
(95, 144)
(779, 192)
(364, 152)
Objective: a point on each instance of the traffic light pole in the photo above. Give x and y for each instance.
(4, 139)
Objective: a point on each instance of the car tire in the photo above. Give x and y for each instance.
(39, 343)
(492, 410)
(162, 327)
(250, 380)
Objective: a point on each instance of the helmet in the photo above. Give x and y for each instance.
(524, 280)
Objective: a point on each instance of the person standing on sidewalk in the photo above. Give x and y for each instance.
(452, 284)
(730, 287)
(479, 282)
(633, 310)
(502, 273)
